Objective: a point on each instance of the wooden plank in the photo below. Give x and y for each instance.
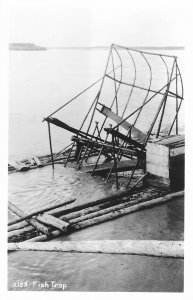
(177, 151)
(154, 148)
(19, 166)
(125, 165)
(170, 140)
(37, 161)
(158, 170)
(31, 161)
(123, 137)
(135, 133)
(161, 160)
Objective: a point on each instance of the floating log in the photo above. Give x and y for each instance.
(86, 213)
(17, 226)
(20, 231)
(89, 213)
(92, 209)
(52, 221)
(98, 213)
(115, 196)
(113, 215)
(31, 221)
(124, 211)
(130, 247)
(44, 237)
(43, 210)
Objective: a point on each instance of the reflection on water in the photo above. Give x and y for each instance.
(94, 272)
(44, 186)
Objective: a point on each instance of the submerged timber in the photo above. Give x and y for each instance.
(118, 135)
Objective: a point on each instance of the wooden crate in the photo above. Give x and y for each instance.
(165, 162)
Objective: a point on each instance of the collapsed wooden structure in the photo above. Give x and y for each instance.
(138, 101)
(132, 124)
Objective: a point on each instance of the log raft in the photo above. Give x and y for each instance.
(96, 214)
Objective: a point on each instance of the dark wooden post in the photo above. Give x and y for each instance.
(115, 163)
(50, 140)
(176, 99)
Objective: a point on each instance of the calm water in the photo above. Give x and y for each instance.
(39, 83)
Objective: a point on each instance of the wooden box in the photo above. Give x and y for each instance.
(165, 162)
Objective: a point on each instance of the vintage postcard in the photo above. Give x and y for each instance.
(96, 158)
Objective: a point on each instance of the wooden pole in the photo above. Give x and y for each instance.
(50, 141)
(17, 226)
(115, 162)
(176, 99)
(163, 101)
(17, 232)
(131, 247)
(98, 95)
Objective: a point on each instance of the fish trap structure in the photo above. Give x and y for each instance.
(138, 101)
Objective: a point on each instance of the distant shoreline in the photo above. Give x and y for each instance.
(25, 47)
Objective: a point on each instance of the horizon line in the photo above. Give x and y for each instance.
(100, 46)
(107, 47)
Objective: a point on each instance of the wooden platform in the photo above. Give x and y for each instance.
(165, 162)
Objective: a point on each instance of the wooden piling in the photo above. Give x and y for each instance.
(50, 141)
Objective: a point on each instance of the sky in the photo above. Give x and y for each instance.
(97, 23)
